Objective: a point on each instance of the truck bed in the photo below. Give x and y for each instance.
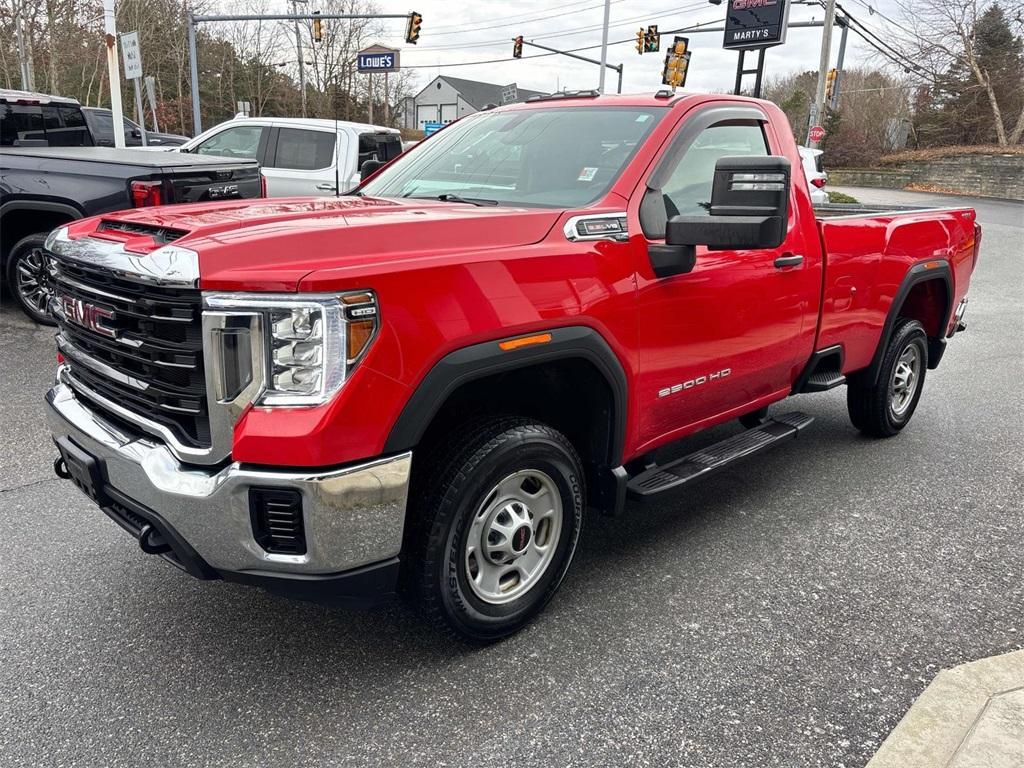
(869, 251)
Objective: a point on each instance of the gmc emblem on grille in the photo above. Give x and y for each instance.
(87, 315)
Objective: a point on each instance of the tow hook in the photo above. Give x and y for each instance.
(152, 542)
(60, 469)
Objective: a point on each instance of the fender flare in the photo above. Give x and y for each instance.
(40, 205)
(487, 358)
(919, 273)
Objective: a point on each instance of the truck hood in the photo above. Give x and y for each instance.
(272, 244)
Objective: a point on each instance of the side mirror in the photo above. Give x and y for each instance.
(749, 205)
(136, 133)
(368, 168)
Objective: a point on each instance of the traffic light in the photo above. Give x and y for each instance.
(830, 83)
(652, 40)
(640, 41)
(517, 47)
(412, 32)
(318, 27)
(679, 46)
(674, 73)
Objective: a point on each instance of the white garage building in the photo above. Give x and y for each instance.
(445, 99)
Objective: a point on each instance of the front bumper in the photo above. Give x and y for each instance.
(353, 516)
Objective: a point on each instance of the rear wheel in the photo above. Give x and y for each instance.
(496, 528)
(883, 408)
(28, 278)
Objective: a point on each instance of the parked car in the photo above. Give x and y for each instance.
(42, 188)
(428, 381)
(37, 119)
(101, 125)
(301, 156)
(815, 174)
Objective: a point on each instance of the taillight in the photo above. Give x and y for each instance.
(818, 182)
(146, 193)
(263, 185)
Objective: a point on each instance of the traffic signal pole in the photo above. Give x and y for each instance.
(839, 61)
(602, 64)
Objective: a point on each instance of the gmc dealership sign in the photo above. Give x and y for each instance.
(755, 23)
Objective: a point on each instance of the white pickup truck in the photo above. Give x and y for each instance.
(300, 156)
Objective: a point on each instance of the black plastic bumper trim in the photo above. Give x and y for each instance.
(364, 587)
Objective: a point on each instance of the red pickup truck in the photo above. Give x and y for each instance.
(420, 386)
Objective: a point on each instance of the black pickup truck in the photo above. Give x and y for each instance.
(44, 187)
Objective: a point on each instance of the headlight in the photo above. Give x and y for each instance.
(312, 342)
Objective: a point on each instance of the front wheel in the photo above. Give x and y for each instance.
(496, 528)
(29, 279)
(883, 408)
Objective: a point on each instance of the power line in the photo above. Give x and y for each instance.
(526, 19)
(653, 16)
(570, 50)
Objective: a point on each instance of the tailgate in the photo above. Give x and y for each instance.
(204, 183)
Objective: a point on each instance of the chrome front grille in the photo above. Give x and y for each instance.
(136, 344)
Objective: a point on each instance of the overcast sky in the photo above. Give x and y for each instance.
(458, 32)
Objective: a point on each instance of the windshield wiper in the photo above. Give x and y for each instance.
(447, 197)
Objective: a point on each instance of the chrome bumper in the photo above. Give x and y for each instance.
(353, 516)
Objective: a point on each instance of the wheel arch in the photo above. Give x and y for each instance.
(32, 216)
(926, 295)
(584, 383)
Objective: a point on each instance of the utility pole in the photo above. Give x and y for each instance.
(845, 24)
(113, 72)
(26, 65)
(604, 47)
(818, 110)
(298, 46)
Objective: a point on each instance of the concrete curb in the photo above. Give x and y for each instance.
(971, 716)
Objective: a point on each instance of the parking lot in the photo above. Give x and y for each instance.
(785, 613)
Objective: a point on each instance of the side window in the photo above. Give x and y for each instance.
(104, 125)
(20, 123)
(301, 150)
(688, 189)
(242, 141)
(75, 128)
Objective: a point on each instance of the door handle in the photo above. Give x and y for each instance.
(326, 186)
(789, 260)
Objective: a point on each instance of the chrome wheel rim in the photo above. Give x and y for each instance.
(32, 280)
(905, 378)
(513, 536)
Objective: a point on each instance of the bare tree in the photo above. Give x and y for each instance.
(939, 36)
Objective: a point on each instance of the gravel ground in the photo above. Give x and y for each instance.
(785, 613)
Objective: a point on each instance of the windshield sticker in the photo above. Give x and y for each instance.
(642, 118)
(587, 174)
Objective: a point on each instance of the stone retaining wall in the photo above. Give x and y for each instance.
(975, 175)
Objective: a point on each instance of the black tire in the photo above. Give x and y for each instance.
(452, 496)
(25, 263)
(755, 418)
(876, 409)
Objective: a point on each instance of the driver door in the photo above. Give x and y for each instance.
(729, 334)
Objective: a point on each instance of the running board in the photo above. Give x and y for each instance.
(656, 480)
(822, 381)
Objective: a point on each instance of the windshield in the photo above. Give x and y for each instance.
(563, 157)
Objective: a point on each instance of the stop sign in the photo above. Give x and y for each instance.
(816, 134)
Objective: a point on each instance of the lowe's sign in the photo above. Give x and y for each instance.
(377, 59)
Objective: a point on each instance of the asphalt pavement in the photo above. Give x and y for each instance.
(785, 613)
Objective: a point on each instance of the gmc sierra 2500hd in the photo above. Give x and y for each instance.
(420, 386)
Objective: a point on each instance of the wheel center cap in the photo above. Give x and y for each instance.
(521, 539)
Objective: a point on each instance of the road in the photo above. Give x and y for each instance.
(785, 613)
